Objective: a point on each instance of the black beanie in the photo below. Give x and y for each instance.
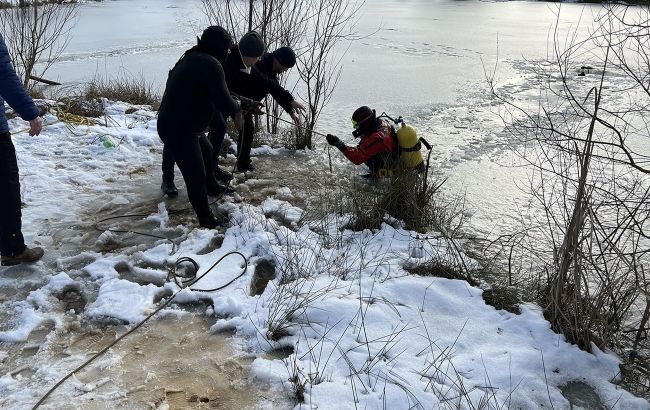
(215, 41)
(285, 56)
(251, 45)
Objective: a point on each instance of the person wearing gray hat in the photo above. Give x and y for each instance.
(251, 45)
(253, 74)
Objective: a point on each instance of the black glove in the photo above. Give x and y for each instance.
(246, 103)
(335, 141)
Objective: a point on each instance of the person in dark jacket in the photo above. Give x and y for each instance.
(252, 73)
(378, 147)
(195, 92)
(12, 243)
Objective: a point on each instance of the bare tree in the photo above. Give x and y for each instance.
(589, 181)
(36, 34)
(320, 66)
(315, 29)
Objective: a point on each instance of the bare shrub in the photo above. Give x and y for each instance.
(586, 247)
(315, 29)
(279, 22)
(297, 378)
(289, 138)
(36, 34)
(294, 291)
(405, 195)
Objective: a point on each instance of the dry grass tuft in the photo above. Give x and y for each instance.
(129, 89)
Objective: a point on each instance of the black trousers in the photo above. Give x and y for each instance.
(210, 145)
(193, 154)
(12, 242)
(245, 142)
(217, 135)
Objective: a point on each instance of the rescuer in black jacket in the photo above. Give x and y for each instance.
(195, 92)
(253, 74)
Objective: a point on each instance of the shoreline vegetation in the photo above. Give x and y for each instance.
(400, 201)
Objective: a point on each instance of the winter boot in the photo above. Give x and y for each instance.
(245, 168)
(215, 188)
(169, 188)
(222, 175)
(28, 255)
(209, 221)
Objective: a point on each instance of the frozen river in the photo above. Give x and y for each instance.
(420, 59)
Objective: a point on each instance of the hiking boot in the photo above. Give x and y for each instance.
(215, 189)
(222, 175)
(28, 255)
(209, 221)
(169, 188)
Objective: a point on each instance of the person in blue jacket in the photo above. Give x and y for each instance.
(12, 243)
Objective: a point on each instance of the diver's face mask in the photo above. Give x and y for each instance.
(356, 133)
(362, 126)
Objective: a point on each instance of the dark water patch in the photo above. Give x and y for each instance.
(163, 293)
(215, 243)
(582, 395)
(280, 353)
(72, 298)
(36, 339)
(139, 275)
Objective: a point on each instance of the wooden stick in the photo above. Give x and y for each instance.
(43, 80)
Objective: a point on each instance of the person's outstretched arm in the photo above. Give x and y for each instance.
(13, 91)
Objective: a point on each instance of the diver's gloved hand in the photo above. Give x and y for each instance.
(335, 141)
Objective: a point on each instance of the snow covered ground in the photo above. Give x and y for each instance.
(342, 323)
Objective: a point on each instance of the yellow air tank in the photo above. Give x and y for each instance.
(407, 138)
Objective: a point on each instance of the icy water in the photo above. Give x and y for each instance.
(172, 360)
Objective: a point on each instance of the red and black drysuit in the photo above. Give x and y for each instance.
(377, 149)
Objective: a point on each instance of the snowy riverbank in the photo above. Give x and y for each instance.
(343, 322)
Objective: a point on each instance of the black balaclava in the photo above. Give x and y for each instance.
(215, 41)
